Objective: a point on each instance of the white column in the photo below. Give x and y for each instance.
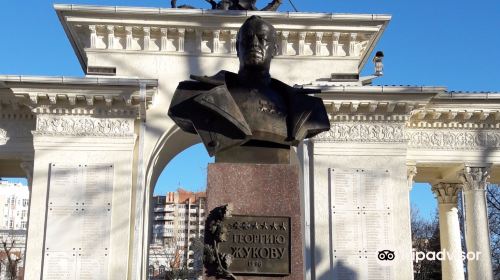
(452, 267)
(477, 237)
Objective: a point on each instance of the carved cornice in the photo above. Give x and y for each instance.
(83, 126)
(474, 178)
(364, 132)
(446, 193)
(453, 139)
(329, 41)
(456, 118)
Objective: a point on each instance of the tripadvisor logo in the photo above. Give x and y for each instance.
(386, 255)
(419, 256)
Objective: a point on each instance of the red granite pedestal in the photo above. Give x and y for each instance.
(261, 190)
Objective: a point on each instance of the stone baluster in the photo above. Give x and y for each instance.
(335, 43)
(93, 36)
(147, 37)
(352, 43)
(180, 40)
(111, 36)
(319, 38)
(302, 41)
(128, 38)
(233, 34)
(215, 41)
(477, 237)
(284, 42)
(164, 39)
(449, 230)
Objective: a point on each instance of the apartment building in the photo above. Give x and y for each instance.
(14, 204)
(178, 226)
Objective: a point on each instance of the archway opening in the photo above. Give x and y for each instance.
(424, 231)
(178, 216)
(14, 213)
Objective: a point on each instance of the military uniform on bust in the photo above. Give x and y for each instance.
(238, 115)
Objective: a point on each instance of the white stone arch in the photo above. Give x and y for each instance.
(169, 145)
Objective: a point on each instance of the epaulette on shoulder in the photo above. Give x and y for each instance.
(216, 80)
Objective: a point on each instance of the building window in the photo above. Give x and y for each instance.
(162, 269)
(151, 271)
(11, 224)
(25, 202)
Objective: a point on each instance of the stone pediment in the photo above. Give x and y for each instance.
(341, 43)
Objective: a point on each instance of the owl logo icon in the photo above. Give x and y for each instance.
(386, 255)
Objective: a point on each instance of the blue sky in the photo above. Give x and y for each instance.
(428, 42)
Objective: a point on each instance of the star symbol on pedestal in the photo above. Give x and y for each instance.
(274, 226)
(264, 226)
(283, 226)
(255, 226)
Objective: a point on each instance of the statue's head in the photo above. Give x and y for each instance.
(256, 44)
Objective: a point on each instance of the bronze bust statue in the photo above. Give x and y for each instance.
(249, 114)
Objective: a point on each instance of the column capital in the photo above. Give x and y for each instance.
(446, 193)
(474, 178)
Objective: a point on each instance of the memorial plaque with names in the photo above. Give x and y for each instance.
(258, 245)
(78, 221)
(361, 222)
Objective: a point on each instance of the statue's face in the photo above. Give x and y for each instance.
(256, 44)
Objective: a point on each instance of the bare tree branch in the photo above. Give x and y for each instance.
(273, 6)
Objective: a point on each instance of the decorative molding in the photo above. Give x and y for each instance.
(453, 139)
(338, 43)
(446, 193)
(454, 118)
(83, 126)
(474, 178)
(369, 132)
